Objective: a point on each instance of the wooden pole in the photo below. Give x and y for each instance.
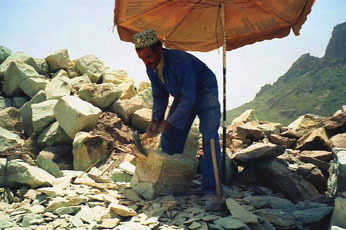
(216, 171)
(223, 166)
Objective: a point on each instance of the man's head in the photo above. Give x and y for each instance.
(148, 47)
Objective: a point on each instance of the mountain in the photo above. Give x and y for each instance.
(312, 85)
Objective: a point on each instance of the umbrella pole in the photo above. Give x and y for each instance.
(223, 166)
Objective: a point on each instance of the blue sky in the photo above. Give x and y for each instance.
(40, 27)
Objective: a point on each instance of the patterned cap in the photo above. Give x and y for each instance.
(145, 38)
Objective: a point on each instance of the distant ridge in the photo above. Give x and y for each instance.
(312, 85)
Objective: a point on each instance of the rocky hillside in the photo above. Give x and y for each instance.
(311, 85)
(67, 159)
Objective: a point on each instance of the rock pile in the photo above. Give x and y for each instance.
(68, 160)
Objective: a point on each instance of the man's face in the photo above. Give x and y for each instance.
(149, 57)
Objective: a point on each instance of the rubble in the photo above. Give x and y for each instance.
(61, 114)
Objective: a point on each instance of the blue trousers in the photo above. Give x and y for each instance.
(207, 108)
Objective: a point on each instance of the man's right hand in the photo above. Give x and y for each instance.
(153, 128)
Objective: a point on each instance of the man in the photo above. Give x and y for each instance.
(194, 88)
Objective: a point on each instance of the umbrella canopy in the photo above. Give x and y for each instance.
(205, 25)
(195, 25)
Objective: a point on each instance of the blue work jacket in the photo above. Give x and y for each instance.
(186, 78)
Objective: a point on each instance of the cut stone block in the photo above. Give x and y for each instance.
(4, 53)
(15, 74)
(141, 118)
(128, 89)
(26, 111)
(92, 66)
(89, 148)
(125, 108)
(100, 95)
(162, 174)
(21, 174)
(74, 115)
(79, 81)
(53, 135)
(58, 60)
(114, 76)
(32, 85)
(43, 115)
(58, 88)
(11, 119)
(7, 139)
(18, 57)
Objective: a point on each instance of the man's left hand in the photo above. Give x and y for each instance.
(164, 125)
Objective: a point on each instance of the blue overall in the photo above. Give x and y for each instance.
(194, 88)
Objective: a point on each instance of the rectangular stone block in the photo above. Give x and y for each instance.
(160, 174)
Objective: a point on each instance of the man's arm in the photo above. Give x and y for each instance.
(187, 81)
(160, 100)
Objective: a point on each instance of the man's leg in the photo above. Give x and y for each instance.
(209, 115)
(173, 139)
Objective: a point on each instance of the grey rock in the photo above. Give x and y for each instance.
(276, 217)
(31, 85)
(43, 66)
(11, 119)
(49, 166)
(230, 223)
(32, 219)
(240, 213)
(58, 87)
(258, 151)
(18, 102)
(312, 215)
(339, 213)
(337, 173)
(67, 210)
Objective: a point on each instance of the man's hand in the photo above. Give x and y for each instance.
(152, 129)
(164, 125)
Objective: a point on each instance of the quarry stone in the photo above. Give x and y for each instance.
(58, 60)
(74, 115)
(43, 114)
(92, 66)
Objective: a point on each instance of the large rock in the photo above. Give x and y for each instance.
(128, 89)
(250, 131)
(312, 215)
(11, 119)
(74, 115)
(258, 151)
(317, 139)
(125, 108)
(279, 140)
(339, 213)
(314, 175)
(337, 173)
(114, 76)
(79, 81)
(100, 95)
(60, 73)
(8, 139)
(293, 186)
(58, 87)
(245, 117)
(92, 66)
(18, 102)
(270, 128)
(42, 65)
(276, 217)
(31, 86)
(89, 148)
(339, 140)
(161, 174)
(318, 158)
(58, 60)
(141, 118)
(21, 174)
(18, 57)
(15, 74)
(26, 111)
(4, 53)
(147, 96)
(53, 135)
(306, 123)
(43, 114)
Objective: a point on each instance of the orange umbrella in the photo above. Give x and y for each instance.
(205, 25)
